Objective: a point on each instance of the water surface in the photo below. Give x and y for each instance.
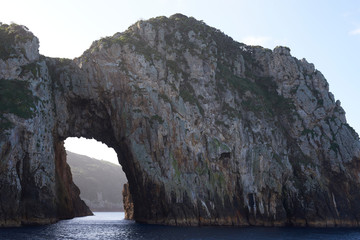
(105, 225)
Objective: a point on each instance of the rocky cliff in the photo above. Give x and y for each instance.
(207, 130)
(35, 183)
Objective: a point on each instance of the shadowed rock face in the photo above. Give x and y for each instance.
(128, 203)
(207, 130)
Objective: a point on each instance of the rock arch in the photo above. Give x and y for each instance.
(208, 131)
(91, 114)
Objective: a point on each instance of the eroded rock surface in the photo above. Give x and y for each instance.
(35, 182)
(207, 130)
(128, 203)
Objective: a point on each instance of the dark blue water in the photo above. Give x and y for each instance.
(108, 226)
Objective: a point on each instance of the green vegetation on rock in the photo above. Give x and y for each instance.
(156, 118)
(265, 98)
(225, 44)
(33, 68)
(15, 98)
(10, 35)
(164, 97)
(187, 93)
(309, 131)
(175, 68)
(133, 40)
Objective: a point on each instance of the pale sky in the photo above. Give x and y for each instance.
(325, 32)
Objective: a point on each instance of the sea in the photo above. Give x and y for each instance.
(111, 225)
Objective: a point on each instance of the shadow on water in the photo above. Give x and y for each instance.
(105, 225)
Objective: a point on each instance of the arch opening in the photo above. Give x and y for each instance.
(92, 119)
(97, 173)
(107, 117)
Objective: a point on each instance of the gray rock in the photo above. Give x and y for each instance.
(207, 130)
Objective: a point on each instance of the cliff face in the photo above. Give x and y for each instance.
(35, 181)
(207, 130)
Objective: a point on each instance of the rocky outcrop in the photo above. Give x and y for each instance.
(35, 181)
(128, 203)
(208, 131)
(69, 203)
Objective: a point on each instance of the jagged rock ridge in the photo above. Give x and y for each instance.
(207, 130)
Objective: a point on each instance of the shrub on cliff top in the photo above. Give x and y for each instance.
(9, 36)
